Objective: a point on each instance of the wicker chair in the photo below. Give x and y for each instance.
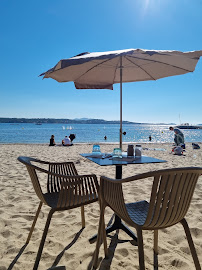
(170, 199)
(65, 190)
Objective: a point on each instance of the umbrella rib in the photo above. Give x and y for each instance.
(159, 62)
(93, 68)
(115, 71)
(142, 69)
(134, 64)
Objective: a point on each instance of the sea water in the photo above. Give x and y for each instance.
(91, 133)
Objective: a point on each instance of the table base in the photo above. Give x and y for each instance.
(115, 226)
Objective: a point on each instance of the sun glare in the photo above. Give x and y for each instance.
(146, 4)
(152, 6)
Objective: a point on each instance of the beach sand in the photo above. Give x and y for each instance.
(66, 243)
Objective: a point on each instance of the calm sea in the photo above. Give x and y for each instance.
(91, 133)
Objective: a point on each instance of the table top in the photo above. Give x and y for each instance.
(105, 159)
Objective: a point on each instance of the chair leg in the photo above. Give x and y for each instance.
(43, 239)
(191, 244)
(34, 222)
(155, 249)
(99, 237)
(140, 249)
(82, 216)
(104, 237)
(156, 241)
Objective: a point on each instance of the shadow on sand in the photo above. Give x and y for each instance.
(104, 264)
(58, 258)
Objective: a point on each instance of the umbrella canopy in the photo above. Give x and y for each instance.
(100, 70)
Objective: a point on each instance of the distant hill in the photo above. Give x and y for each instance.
(68, 121)
(60, 121)
(78, 119)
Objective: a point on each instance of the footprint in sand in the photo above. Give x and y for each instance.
(178, 263)
(3, 268)
(20, 236)
(60, 215)
(94, 215)
(196, 232)
(26, 217)
(185, 250)
(5, 234)
(122, 251)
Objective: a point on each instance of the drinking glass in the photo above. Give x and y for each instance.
(96, 149)
(117, 153)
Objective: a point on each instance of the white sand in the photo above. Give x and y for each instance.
(18, 204)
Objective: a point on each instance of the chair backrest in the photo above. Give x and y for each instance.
(72, 189)
(54, 182)
(33, 175)
(170, 198)
(171, 195)
(78, 190)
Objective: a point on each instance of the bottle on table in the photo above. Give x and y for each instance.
(138, 150)
(130, 150)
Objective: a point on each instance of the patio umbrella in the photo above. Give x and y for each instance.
(100, 70)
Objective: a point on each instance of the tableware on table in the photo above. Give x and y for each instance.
(106, 155)
(96, 149)
(130, 150)
(138, 150)
(117, 153)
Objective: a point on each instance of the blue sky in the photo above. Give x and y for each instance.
(35, 35)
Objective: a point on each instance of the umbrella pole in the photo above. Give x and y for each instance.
(121, 102)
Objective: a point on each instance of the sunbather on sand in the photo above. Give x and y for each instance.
(66, 141)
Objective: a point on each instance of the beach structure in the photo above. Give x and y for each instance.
(100, 70)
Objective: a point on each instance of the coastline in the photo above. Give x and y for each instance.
(19, 203)
(102, 143)
(92, 133)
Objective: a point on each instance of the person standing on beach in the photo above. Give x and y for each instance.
(179, 136)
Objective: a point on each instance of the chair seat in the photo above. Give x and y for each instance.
(51, 199)
(138, 211)
(76, 200)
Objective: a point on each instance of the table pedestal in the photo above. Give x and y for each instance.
(118, 171)
(116, 226)
(117, 222)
